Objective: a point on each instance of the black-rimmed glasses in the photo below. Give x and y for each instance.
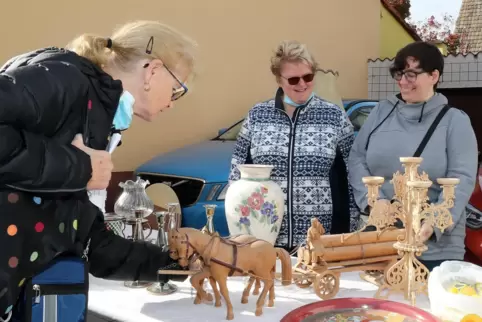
(177, 93)
(410, 75)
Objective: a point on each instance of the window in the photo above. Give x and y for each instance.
(359, 116)
(232, 133)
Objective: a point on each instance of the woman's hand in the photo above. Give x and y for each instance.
(426, 231)
(101, 162)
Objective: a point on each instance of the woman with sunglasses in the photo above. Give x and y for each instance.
(59, 107)
(302, 136)
(396, 127)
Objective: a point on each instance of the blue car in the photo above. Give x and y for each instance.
(199, 173)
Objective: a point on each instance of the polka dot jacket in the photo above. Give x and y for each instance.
(47, 97)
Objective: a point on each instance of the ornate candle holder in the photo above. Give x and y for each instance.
(410, 205)
(209, 228)
(162, 288)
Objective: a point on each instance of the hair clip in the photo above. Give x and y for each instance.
(149, 46)
(109, 43)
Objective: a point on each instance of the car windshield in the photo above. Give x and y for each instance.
(232, 133)
(359, 116)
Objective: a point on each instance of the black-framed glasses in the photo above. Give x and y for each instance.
(410, 75)
(308, 78)
(177, 93)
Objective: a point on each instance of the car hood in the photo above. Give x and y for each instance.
(210, 160)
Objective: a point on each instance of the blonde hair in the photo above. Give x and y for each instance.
(291, 51)
(131, 43)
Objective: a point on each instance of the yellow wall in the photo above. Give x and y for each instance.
(443, 48)
(392, 35)
(236, 39)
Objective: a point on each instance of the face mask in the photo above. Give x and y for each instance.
(123, 115)
(289, 101)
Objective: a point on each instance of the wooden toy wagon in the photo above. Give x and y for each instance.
(325, 257)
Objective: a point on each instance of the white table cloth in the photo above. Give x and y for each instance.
(114, 300)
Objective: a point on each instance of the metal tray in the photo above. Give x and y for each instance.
(358, 310)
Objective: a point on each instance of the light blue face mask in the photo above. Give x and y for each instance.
(123, 115)
(289, 101)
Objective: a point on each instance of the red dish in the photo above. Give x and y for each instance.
(358, 310)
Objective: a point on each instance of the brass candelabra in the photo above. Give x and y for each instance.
(209, 227)
(410, 204)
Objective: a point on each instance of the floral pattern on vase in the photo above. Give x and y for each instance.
(255, 204)
(255, 207)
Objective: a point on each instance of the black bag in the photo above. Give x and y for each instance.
(59, 293)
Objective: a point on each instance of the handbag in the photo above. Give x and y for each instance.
(59, 293)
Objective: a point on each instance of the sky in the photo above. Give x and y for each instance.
(422, 9)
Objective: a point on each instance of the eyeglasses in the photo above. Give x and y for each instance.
(308, 78)
(410, 75)
(177, 93)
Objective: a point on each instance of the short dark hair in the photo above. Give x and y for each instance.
(428, 56)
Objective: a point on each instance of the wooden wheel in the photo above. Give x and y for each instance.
(326, 285)
(303, 281)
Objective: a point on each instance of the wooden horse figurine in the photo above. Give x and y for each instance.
(202, 295)
(245, 239)
(223, 258)
(239, 240)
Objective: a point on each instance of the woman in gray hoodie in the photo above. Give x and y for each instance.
(396, 127)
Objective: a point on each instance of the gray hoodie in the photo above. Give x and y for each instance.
(450, 153)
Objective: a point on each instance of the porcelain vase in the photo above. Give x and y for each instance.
(255, 204)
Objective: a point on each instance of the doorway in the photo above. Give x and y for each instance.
(468, 100)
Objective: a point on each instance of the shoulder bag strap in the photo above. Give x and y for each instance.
(430, 131)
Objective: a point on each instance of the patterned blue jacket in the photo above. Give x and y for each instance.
(302, 150)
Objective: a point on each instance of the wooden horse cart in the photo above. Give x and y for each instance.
(325, 257)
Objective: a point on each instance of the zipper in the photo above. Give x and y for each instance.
(56, 289)
(290, 172)
(85, 253)
(36, 290)
(85, 131)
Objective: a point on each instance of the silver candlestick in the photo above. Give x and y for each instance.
(138, 235)
(209, 228)
(162, 220)
(138, 232)
(162, 288)
(174, 222)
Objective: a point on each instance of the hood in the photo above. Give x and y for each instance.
(210, 161)
(107, 89)
(419, 110)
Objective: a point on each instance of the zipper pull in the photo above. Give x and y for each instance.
(36, 288)
(85, 255)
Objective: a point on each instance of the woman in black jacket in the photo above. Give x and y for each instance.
(58, 109)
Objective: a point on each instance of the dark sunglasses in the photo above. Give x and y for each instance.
(410, 75)
(308, 78)
(177, 93)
